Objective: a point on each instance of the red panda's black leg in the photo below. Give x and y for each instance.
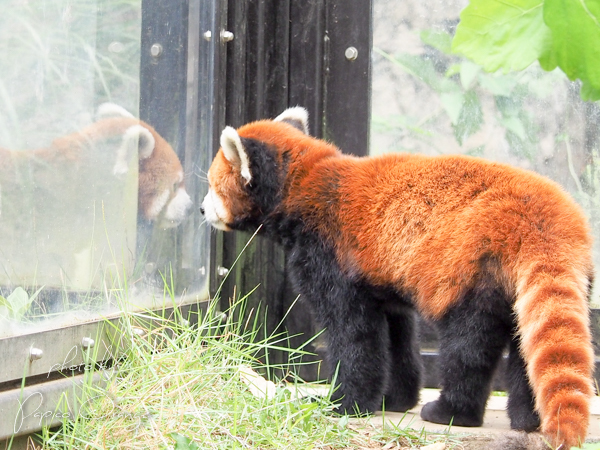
(472, 338)
(520, 396)
(357, 348)
(402, 392)
(357, 334)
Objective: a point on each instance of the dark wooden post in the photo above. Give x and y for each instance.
(287, 53)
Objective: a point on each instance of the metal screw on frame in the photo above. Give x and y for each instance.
(138, 331)
(35, 353)
(226, 36)
(87, 342)
(207, 35)
(222, 271)
(351, 53)
(156, 50)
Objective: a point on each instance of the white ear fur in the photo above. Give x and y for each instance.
(296, 116)
(145, 140)
(135, 137)
(234, 151)
(106, 110)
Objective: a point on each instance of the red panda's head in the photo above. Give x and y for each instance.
(246, 176)
(162, 197)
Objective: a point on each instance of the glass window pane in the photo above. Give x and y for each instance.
(93, 202)
(427, 100)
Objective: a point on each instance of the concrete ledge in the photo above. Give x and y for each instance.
(495, 421)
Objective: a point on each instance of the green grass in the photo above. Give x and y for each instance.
(183, 387)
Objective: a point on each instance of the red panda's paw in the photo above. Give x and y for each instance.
(524, 419)
(400, 404)
(353, 411)
(353, 403)
(440, 411)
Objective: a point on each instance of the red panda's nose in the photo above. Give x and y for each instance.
(202, 210)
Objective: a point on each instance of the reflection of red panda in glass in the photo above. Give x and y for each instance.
(161, 185)
(496, 256)
(161, 195)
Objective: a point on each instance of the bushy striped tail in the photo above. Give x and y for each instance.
(553, 320)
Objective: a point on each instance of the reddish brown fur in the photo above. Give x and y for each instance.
(228, 187)
(157, 173)
(425, 224)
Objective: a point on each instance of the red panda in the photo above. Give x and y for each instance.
(161, 189)
(498, 257)
(162, 193)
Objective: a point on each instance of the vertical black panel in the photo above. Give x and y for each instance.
(307, 36)
(237, 22)
(163, 104)
(163, 76)
(347, 80)
(217, 111)
(257, 87)
(334, 88)
(204, 107)
(266, 56)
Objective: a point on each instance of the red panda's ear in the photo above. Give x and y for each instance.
(296, 116)
(234, 152)
(136, 137)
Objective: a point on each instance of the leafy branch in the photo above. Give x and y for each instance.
(512, 34)
(462, 87)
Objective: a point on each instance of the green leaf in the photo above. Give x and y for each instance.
(184, 443)
(520, 129)
(471, 118)
(541, 85)
(421, 68)
(476, 151)
(453, 104)
(454, 69)
(589, 93)
(575, 43)
(438, 39)
(514, 124)
(508, 106)
(19, 302)
(520, 147)
(502, 34)
(343, 422)
(501, 85)
(5, 312)
(4, 302)
(468, 72)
